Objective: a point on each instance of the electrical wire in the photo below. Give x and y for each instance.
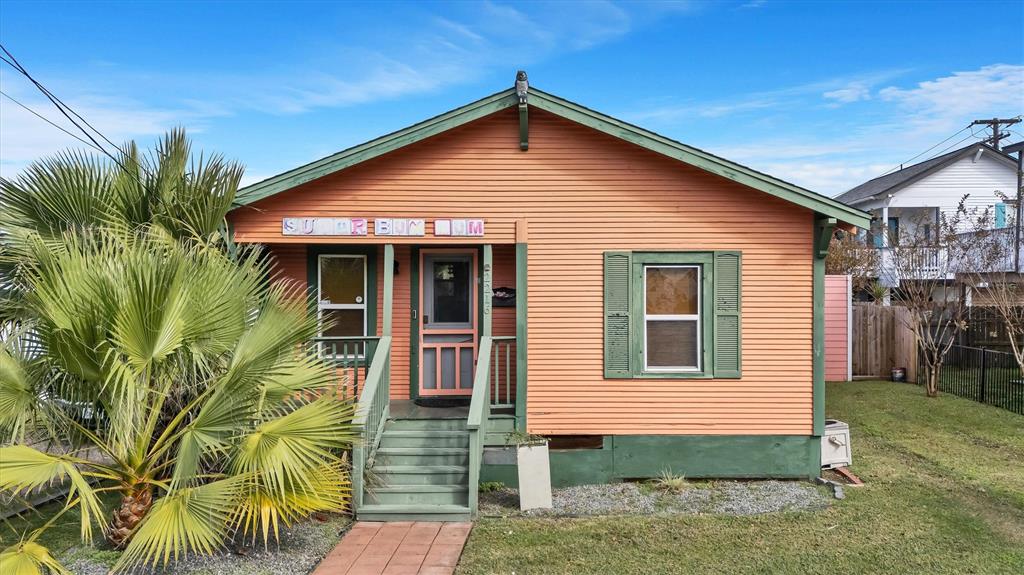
(49, 121)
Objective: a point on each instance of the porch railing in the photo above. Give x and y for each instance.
(479, 415)
(371, 415)
(502, 380)
(351, 358)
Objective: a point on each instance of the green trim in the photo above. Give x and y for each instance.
(522, 315)
(636, 302)
(524, 127)
(570, 111)
(822, 226)
(313, 253)
(389, 287)
(414, 322)
(643, 456)
(486, 290)
(824, 238)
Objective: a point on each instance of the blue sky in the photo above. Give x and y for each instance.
(823, 94)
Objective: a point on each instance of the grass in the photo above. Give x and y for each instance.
(945, 494)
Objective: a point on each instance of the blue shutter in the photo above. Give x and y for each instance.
(1000, 215)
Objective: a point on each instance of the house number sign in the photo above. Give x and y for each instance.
(402, 227)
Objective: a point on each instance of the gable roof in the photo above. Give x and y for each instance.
(570, 111)
(891, 182)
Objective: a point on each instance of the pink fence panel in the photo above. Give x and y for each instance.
(837, 328)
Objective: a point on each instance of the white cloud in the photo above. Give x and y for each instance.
(852, 92)
(753, 4)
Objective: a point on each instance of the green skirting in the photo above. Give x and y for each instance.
(642, 456)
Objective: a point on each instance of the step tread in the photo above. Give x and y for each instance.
(421, 468)
(423, 450)
(426, 488)
(411, 508)
(424, 433)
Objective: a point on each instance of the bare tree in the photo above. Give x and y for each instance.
(847, 255)
(925, 265)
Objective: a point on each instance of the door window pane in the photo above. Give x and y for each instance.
(342, 280)
(451, 292)
(342, 322)
(672, 344)
(672, 291)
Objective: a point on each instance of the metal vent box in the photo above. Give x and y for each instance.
(835, 445)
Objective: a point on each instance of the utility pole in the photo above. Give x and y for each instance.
(996, 125)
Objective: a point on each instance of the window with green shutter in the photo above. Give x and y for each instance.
(672, 314)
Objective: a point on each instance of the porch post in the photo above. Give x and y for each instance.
(521, 325)
(487, 291)
(389, 286)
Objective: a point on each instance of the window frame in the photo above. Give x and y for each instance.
(704, 261)
(647, 368)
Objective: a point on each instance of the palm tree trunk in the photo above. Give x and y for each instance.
(135, 504)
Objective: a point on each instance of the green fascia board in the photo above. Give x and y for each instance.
(570, 111)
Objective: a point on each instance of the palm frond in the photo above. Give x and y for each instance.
(24, 469)
(29, 558)
(16, 396)
(188, 520)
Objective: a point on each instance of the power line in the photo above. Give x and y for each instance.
(48, 121)
(900, 167)
(63, 108)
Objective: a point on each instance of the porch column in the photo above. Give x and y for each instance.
(389, 287)
(521, 325)
(486, 287)
(885, 225)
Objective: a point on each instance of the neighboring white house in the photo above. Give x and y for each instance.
(908, 203)
(915, 195)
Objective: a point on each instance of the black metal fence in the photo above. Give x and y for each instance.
(984, 375)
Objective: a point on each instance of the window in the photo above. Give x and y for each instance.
(341, 295)
(672, 314)
(671, 318)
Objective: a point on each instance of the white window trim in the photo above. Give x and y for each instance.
(320, 306)
(674, 317)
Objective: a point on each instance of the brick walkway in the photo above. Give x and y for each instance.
(397, 548)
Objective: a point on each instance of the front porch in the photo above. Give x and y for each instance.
(419, 460)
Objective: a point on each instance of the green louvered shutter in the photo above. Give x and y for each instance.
(728, 347)
(616, 314)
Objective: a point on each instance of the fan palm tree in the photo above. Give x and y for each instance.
(145, 360)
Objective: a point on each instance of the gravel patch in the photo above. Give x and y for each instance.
(301, 548)
(719, 497)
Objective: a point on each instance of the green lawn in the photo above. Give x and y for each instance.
(945, 494)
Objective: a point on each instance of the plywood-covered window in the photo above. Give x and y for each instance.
(672, 314)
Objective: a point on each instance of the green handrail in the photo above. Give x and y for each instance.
(371, 415)
(479, 416)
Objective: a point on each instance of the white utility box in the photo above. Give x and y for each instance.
(835, 445)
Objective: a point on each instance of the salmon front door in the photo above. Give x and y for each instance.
(448, 322)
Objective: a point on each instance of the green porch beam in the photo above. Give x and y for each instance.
(389, 287)
(487, 291)
(521, 329)
(524, 128)
(823, 227)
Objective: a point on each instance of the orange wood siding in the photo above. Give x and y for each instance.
(583, 193)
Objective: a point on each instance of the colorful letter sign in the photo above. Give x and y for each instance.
(384, 227)
(323, 226)
(459, 228)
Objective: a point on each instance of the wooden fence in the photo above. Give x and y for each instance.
(882, 341)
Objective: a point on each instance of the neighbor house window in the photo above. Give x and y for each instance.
(672, 314)
(671, 321)
(341, 295)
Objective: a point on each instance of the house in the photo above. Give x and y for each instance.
(525, 263)
(908, 203)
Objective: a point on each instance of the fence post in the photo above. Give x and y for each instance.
(981, 392)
